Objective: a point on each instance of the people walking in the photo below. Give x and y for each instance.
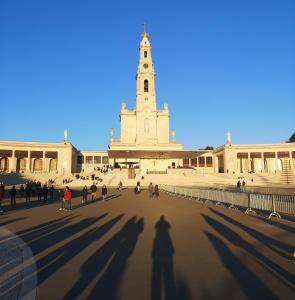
(104, 192)
(93, 189)
(1, 197)
(12, 193)
(238, 184)
(51, 192)
(156, 191)
(243, 185)
(137, 188)
(61, 199)
(84, 194)
(45, 193)
(68, 198)
(39, 191)
(21, 191)
(28, 192)
(151, 190)
(120, 186)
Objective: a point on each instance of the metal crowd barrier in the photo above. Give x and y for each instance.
(275, 205)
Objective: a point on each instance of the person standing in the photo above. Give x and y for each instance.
(156, 192)
(45, 193)
(21, 191)
(238, 184)
(93, 189)
(1, 197)
(61, 199)
(151, 190)
(120, 186)
(84, 194)
(68, 198)
(243, 185)
(51, 192)
(104, 192)
(28, 192)
(39, 191)
(12, 193)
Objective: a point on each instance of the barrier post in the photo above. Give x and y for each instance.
(274, 213)
(232, 206)
(249, 210)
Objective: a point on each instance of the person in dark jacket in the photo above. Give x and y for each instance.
(84, 194)
(12, 193)
(156, 191)
(104, 192)
(28, 192)
(21, 191)
(93, 189)
(51, 192)
(45, 193)
(39, 191)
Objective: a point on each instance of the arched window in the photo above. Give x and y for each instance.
(146, 85)
(145, 53)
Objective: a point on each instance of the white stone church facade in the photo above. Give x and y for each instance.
(145, 143)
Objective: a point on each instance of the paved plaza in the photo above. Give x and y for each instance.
(134, 247)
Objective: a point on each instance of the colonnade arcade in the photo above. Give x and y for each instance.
(268, 162)
(28, 161)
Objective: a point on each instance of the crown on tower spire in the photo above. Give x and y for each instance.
(145, 34)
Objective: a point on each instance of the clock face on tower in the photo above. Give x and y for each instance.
(145, 66)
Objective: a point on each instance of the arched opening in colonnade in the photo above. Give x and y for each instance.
(52, 165)
(38, 165)
(21, 164)
(4, 164)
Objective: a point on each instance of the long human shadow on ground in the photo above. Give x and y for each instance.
(163, 277)
(277, 271)
(50, 263)
(39, 230)
(162, 268)
(52, 233)
(249, 283)
(278, 224)
(113, 256)
(279, 247)
(9, 221)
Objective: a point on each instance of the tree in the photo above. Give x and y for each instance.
(292, 138)
(207, 148)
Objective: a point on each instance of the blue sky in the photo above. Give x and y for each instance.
(220, 65)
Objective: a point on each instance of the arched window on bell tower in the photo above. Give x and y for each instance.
(146, 85)
(145, 54)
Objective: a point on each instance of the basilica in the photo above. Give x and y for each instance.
(146, 143)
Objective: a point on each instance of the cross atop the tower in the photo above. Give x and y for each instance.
(145, 34)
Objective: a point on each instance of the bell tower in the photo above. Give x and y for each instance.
(145, 76)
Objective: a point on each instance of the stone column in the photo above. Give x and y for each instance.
(290, 159)
(43, 162)
(249, 162)
(190, 162)
(262, 160)
(276, 162)
(13, 164)
(205, 161)
(28, 164)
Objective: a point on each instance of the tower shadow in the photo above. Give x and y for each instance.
(162, 255)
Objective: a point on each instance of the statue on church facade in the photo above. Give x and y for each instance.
(111, 134)
(173, 136)
(65, 135)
